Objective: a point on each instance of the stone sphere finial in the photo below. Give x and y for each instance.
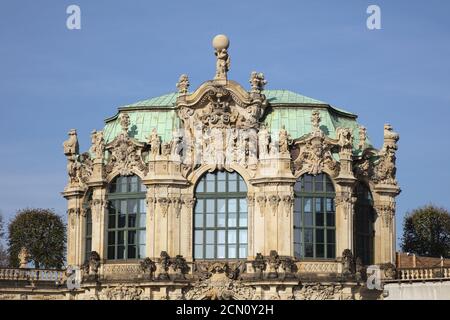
(220, 42)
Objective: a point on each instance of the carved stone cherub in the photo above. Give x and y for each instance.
(183, 84)
(71, 146)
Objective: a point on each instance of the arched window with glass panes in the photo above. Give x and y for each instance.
(221, 217)
(363, 225)
(314, 218)
(126, 237)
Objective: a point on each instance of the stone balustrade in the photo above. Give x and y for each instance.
(33, 275)
(423, 273)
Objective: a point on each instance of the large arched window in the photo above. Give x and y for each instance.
(221, 218)
(363, 224)
(314, 218)
(126, 219)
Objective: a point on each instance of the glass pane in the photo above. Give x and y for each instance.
(122, 221)
(199, 206)
(331, 254)
(331, 237)
(242, 205)
(210, 220)
(111, 250)
(120, 237)
(198, 252)
(111, 238)
(134, 187)
(221, 252)
(142, 253)
(330, 205)
(308, 187)
(221, 186)
(200, 187)
(298, 236)
(232, 236)
(142, 206)
(308, 233)
(320, 219)
(298, 205)
(232, 205)
(222, 176)
(243, 251)
(210, 186)
(198, 238)
(309, 250)
(142, 220)
(330, 187)
(232, 219)
(320, 236)
(297, 220)
(131, 237)
(221, 205)
(308, 218)
(210, 237)
(330, 219)
(210, 206)
(243, 236)
(242, 220)
(131, 252)
(319, 206)
(232, 252)
(123, 207)
(298, 186)
(221, 236)
(142, 237)
(307, 204)
(232, 186)
(319, 183)
(131, 221)
(320, 250)
(242, 186)
(111, 221)
(199, 220)
(210, 177)
(221, 220)
(209, 252)
(120, 252)
(297, 250)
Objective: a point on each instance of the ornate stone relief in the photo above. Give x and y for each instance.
(386, 209)
(379, 167)
(318, 291)
(218, 285)
(79, 167)
(122, 292)
(125, 153)
(314, 152)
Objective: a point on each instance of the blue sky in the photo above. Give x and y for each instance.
(53, 79)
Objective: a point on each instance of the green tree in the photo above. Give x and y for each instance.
(426, 232)
(43, 233)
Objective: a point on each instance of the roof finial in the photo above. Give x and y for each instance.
(221, 44)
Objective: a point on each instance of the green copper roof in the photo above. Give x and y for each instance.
(289, 97)
(142, 124)
(275, 97)
(167, 100)
(290, 109)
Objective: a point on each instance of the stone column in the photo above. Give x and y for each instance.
(385, 234)
(150, 222)
(74, 198)
(99, 220)
(251, 224)
(186, 227)
(344, 205)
